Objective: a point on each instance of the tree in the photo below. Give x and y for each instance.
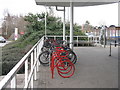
(87, 27)
(51, 11)
(87, 22)
(11, 22)
(37, 22)
(54, 24)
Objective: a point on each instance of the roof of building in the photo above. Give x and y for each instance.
(76, 3)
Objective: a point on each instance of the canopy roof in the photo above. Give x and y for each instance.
(76, 3)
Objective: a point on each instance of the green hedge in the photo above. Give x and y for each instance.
(13, 52)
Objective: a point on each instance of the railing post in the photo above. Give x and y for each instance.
(37, 57)
(13, 83)
(31, 69)
(77, 41)
(95, 40)
(92, 39)
(54, 37)
(99, 40)
(110, 50)
(35, 71)
(37, 51)
(88, 41)
(66, 39)
(26, 72)
(38, 48)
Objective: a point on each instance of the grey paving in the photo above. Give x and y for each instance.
(94, 69)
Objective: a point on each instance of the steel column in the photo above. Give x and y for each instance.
(119, 14)
(71, 25)
(45, 22)
(64, 25)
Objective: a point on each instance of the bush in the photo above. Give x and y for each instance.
(13, 52)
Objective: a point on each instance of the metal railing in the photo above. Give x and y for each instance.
(32, 55)
(31, 74)
(79, 39)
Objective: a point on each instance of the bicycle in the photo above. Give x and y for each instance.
(49, 44)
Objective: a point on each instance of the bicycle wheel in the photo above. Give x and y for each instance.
(44, 58)
(65, 70)
(72, 56)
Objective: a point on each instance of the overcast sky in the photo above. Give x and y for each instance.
(96, 15)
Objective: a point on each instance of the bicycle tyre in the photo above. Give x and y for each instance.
(44, 58)
(72, 56)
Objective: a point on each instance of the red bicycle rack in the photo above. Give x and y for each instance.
(62, 63)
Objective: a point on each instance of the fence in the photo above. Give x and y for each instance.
(31, 74)
(93, 40)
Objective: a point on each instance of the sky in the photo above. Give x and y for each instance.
(96, 15)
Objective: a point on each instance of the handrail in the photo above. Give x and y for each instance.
(69, 36)
(94, 39)
(6, 80)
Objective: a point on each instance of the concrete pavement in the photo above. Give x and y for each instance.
(94, 69)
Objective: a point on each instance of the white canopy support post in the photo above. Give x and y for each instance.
(104, 37)
(64, 25)
(119, 14)
(45, 22)
(119, 19)
(71, 25)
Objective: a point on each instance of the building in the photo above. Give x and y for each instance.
(97, 31)
(111, 31)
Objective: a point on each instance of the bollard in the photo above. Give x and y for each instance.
(110, 50)
(115, 43)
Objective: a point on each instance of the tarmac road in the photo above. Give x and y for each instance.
(3, 44)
